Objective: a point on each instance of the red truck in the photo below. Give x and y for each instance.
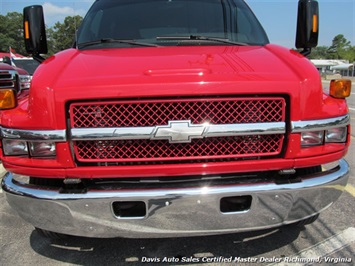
(14, 77)
(173, 118)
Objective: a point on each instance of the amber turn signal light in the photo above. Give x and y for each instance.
(7, 99)
(27, 30)
(340, 88)
(315, 24)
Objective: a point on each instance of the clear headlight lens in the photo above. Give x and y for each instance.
(42, 149)
(337, 135)
(313, 138)
(34, 149)
(25, 81)
(15, 147)
(316, 138)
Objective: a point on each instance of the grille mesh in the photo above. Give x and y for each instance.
(211, 148)
(153, 113)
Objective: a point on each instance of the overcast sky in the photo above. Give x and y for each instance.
(277, 16)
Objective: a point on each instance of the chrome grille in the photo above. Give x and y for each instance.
(147, 113)
(8, 79)
(199, 111)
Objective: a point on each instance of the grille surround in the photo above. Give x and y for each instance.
(142, 113)
(146, 113)
(9, 80)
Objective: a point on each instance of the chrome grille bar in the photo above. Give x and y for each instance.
(209, 131)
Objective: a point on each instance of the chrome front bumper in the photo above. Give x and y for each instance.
(179, 211)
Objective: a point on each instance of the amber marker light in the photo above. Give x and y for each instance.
(340, 88)
(7, 99)
(27, 31)
(315, 23)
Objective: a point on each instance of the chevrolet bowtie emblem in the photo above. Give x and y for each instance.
(179, 131)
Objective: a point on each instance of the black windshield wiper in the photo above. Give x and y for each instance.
(109, 40)
(198, 38)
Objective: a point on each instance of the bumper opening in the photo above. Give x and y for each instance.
(235, 204)
(129, 209)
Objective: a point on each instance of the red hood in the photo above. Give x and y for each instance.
(170, 72)
(116, 67)
(21, 71)
(4, 66)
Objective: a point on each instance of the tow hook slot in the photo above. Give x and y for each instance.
(129, 209)
(235, 204)
(73, 186)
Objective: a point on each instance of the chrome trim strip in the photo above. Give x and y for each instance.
(90, 214)
(34, 135)
(318, 125)
(246, 129)
(123, 133)
(209, 131)
(166, 132)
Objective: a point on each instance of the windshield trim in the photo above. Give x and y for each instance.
(84, 45)
(199, 38)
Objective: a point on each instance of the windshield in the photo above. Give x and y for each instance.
(152, 21)
(29, 65)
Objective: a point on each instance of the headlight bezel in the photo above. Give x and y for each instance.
(322, 137)
(33, 149)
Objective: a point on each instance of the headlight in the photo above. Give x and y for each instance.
(25, 81)
(337, 135)
(15, 147)
(313, 138)
(42, 149)
(316, 138)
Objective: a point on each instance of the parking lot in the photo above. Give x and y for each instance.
(331, 239)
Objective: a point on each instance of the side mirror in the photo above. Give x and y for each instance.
(35, 32)
(307, 25)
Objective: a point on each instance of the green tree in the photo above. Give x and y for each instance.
(351, 54)
(320, 52)
(50, 41)
(62, 35)
(340, 47)
(11, 33)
